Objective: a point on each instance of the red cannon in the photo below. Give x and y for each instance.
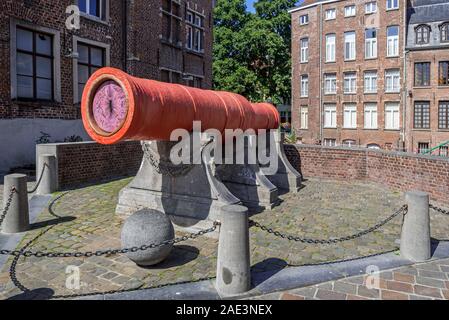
(116, 106)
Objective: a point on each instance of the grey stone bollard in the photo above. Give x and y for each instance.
(415, 236)
(46, 174)
(17, 218)
(233, 263)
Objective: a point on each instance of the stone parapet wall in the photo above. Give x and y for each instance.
(399, 171)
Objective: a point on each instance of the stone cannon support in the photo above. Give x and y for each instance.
(415, 237)
(233, 263)
(46, 174)
(17, 218)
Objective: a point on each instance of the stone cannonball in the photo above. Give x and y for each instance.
(147, 227)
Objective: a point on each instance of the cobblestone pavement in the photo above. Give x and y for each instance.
(322, 209)
(425, 281)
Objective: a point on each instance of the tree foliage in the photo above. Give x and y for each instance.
(252, 51)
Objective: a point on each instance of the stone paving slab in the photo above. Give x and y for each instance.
(85, 220)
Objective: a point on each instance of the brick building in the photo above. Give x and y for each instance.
(44, 64)
(350, 73)
(427, 79)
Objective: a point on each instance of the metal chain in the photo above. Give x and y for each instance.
(39, 180)
(7, 205)
(402, 210)
(438, 209)
(165, 167)
(109, 252)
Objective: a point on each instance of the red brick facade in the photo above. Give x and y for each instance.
(399, 171)
(151, 50)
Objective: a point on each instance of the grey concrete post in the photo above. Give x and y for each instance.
(415, 236)
(233, 263)
(46, 174)
(17, 219)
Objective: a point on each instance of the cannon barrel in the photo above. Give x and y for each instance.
(116, 106)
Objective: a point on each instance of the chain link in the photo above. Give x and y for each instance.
(438, 209)
(165, 167)
(38, 180)
(7, 205)
(108, 252)
(402, 210)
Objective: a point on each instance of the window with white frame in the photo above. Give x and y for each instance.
(350, 11)
(370, 79)
(91, 58)
(350, 82)
(34, 65)
(330, 83)
(304, 19)
(328, 142)
(370, 43)
(370, 7)
(95, 8)
(392, 4)
(330, 48)
(392, 80)
(350, 116)
(195, 31)
(331, 14)
(304, 86)
(304, 49)
(392, 116)
(304, 117)
(392, 41)
(350, 45)
(330, 116)
(349, 143)
(370, 116)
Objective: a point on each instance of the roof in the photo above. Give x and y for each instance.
(425, 11)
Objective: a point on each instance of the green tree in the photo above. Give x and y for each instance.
(252, 51)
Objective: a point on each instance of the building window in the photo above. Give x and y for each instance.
(392, 41)
(422, 34)
(370, 7)
(392, 4)
(330, 142)
(350, 45)
(392, 116)
(422, 74)
(330, 48)
(90, 59)
(370, 43)
(331, 14)
(303, 20)
(350, 11)
(373, 146)
(171, 22)
(330, 116)
(304, 118)
(304, 86)
(95, 8)
(423, 147)
(349, 143)
(443, 115)
(370, 80)
(421, 119)
(195, 31)
(392, 80)
(370, 116)
(444, 151)
(330, 83)
(444, 31)
(443, 73)
(304, 50)
(350, 116)
(34, 65)
(350, 82)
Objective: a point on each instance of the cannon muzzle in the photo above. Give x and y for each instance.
(116, 107)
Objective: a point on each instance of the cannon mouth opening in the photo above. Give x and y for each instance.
(108, 106)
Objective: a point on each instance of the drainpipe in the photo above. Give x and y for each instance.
(320, 74)
(125, 35)
(405, 94)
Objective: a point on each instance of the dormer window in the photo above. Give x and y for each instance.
(422, 34)
(444, 30)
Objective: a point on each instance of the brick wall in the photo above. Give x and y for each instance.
(399, 171)
(89, 162)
